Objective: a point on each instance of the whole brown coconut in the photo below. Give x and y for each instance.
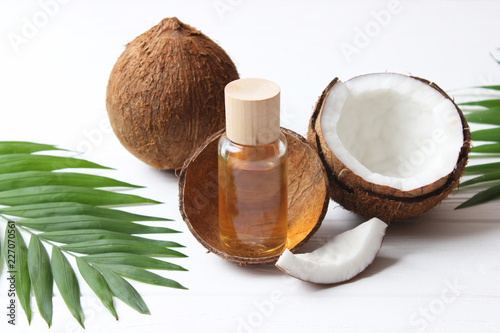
(165, 95)
(307, 196)
(369, 199)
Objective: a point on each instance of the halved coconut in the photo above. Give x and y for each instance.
(394, 145)
(340, 259)
(307, 196)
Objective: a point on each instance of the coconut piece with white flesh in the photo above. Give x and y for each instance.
(394, 145)
(340, 259)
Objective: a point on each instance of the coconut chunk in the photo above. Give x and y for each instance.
(340, 259)
(392, 130)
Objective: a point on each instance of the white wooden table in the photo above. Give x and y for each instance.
(437, 273)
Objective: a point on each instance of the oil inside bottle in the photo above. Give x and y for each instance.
(253, 198)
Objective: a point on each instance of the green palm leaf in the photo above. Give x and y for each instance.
(117, 245)
(82, 222)
(27, 162)
(74, 208)
(487, 173)
(490, 134)
(487, 195)
(87, 235)
(41, 277)
(19, 147)
(490, 87)
(490, 116)
(96, 282)
(123, 290)
(143, 275)
(489, 177)
(58, 193)
(488, 103)
(18, 180)
(66, 211)
(119, 258)
(67, 283)
(482, 168)
(487, 148)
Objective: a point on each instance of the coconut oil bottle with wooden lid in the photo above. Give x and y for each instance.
(252, 171)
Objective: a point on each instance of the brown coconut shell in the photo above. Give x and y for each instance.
(307, 195)
(372, 200)
(165, 95)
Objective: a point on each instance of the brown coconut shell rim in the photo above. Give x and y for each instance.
(449, 180)
(244, 260)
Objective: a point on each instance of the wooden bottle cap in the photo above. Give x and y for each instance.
(252, 111)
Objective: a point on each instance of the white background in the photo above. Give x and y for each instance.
(437, 273)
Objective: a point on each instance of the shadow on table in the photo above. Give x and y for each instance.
(379, 264)
(438, 227)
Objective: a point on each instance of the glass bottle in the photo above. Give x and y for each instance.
(253, 171)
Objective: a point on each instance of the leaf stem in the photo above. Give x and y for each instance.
(36, 235)
(45, 240)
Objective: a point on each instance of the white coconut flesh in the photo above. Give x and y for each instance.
(392, 130)
(340, 259)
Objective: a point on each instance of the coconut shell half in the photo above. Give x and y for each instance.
(373, 200)
(307, 195)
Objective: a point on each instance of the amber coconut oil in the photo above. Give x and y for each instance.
(252, 165)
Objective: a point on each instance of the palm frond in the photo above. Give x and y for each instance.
(486, 144)
(69, 212)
